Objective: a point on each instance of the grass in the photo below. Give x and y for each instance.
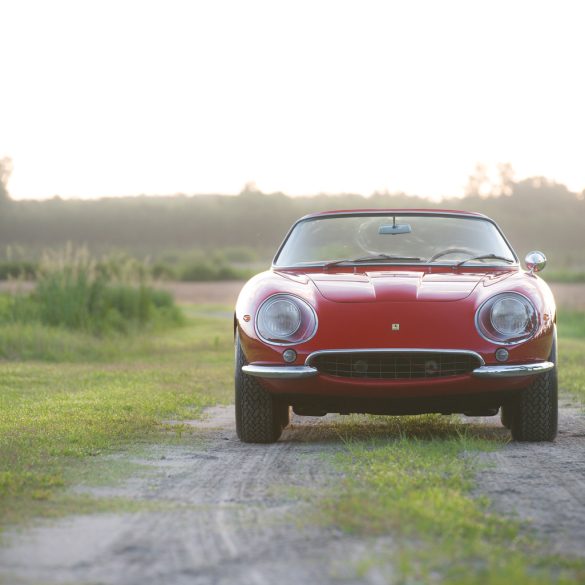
(572, 367)
(76, 292)
(571, 326)
(68, 396)
(17, 269)
(53, 416)
(565, 276)
(194, 265)
(415, 484)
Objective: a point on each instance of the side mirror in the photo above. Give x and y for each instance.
(535, 261)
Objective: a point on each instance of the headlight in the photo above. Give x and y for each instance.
(285, 320)
(507, 318)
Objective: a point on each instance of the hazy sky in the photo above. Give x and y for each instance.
(129, 97)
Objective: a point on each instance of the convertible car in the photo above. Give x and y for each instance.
(396, 312)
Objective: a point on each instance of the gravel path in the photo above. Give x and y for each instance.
(234, 516)
(221, 512)
(543, 483)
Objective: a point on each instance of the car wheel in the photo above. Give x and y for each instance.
(535, 416)
(259, 418)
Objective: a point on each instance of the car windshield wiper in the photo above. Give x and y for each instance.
(485, 257)
(376, 258)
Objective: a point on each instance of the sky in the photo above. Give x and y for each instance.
(132, 97)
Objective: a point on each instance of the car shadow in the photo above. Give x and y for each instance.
(360, 427)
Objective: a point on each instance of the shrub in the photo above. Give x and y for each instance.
(76, 292)
(18, 269)
(207, 271)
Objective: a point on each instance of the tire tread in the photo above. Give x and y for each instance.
(535, 415)
(258, 417)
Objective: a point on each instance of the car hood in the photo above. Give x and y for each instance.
(401, 286)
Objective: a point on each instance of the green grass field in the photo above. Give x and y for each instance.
(413, 479)
(571, 326)
(100, 396)
(68, 397)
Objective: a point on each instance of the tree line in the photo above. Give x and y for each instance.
(535, 213)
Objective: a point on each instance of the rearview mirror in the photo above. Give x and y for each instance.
(535, 261)
(394, 229)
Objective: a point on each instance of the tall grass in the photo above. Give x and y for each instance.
(75, 291)
(192, 265)
(17, 269)
(208, 265)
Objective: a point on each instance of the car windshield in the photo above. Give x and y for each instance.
(395, 239)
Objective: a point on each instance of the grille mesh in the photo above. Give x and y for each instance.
(395, 365)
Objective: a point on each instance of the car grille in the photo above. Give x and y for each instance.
(395, 365)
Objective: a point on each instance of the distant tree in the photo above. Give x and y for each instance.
(483, 183)
(478, 184)
(5, 170)
(250, 187)
(537, 214)
(506, 183)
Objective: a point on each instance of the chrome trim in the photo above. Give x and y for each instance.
(497, 371)
(535, 262)
(315, 354)
(280, 372)
(500, 341)
(512, 370)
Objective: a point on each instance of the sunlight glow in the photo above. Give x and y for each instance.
(129, 97)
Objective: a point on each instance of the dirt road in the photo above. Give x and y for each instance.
(221, 512)
(543, 483)
(231, 518)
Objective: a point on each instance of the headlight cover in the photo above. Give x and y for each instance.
(285, 320)
(507, 318)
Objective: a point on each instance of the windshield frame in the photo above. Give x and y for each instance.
(396, 213)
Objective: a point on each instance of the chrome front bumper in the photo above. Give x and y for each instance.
(280, 372)
(498, 371)
(513, 370)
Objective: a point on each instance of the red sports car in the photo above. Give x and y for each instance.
(396, 312)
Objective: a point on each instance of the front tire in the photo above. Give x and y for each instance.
(259, 417)
(535, 416)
